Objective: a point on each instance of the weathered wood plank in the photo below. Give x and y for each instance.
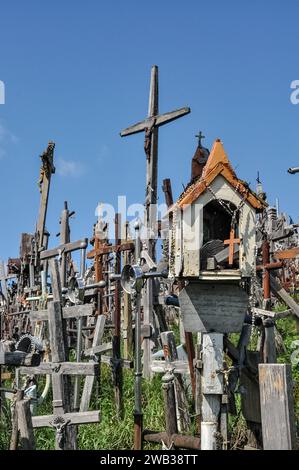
(66, 248)
(277, 407)
(280, 292)
(62, 368)
(268, 313)
(75, 311)
(98, 349)
(159, 120)
(74, 418)
(212, 388)
(179, 367)
(213, 307)
(89, 381)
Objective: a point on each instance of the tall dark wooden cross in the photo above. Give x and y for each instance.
(150, 126)
(47, 169)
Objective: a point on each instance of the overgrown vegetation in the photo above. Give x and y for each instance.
(112, 432)
(115, 433)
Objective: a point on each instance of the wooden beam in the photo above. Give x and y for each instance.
(280, 292)
(89, 381)
(67, 248)
(277, 407)
(287, 254)
(62, 368)
(156, 121)
(74, 418)
(75, 311)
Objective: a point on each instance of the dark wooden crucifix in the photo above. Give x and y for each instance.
(47, 169)
(150, 126)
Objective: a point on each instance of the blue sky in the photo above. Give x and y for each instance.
(78, 72)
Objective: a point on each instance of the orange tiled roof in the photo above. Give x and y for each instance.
(219, 164)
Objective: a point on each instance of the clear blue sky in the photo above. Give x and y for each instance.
(78, 72)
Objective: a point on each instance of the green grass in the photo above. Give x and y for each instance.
(112, 432)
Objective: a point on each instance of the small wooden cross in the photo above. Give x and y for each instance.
(231, 242)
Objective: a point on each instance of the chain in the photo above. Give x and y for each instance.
(225, 206)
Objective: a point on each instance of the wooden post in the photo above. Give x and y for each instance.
(64, 239)
(277, 407)
(127, 315)
(212, 388)
(27, 440)
(116, 362)
(151, 141)
(169, 405)
(89, 381)
(198, 393)
(15, 430)
(58, 342)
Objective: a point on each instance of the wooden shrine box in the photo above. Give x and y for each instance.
(214, 210)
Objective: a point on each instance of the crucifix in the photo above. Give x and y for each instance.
(47, 169)
(200, 136)
(269, 348)
(100, 250)
(62, 418)
(231, 242)
(150, 126)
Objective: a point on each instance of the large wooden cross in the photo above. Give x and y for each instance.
(231, 242)
(150, 126)
(62, 418)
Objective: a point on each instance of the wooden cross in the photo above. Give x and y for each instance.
(231, 242)
(63, 249)
(268, 345)
(101, 249)
(62, 418)
(47, 169)
(150, 126)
